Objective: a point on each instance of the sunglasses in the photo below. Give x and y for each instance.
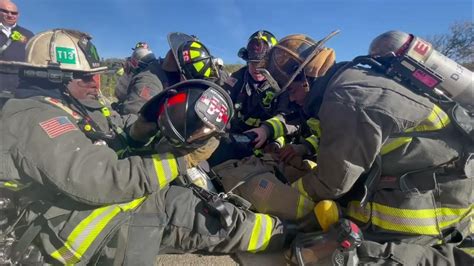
(9, 12)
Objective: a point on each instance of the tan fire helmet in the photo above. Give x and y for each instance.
(296, 53)
(70, 50)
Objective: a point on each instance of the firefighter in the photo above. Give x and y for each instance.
(260, 179)
(84, 205)
(411, 194)
(253, 96)
(254, 101)
(144, 79)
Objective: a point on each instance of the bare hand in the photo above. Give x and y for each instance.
(261, 136)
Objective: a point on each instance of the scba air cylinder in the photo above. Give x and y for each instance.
(457, 80)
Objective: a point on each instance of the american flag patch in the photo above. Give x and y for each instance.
(57, 126)
(264, 189)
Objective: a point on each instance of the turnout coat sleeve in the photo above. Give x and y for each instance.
(142, 87)
(73, 165)
(358, 114)
(348, 146)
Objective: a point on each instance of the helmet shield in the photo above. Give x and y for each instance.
(191, 112)
(175, 40)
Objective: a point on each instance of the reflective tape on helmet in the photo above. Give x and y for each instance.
(261, 233)
(198, 65)
(277, 126)
(314, 142)
(207, 73)
(194, 54)
(254, 122)
(423, 221)
(315, 126)
(437, 119)
(166, 168)
(304, 207)
(87, 231)
(196, 45)
(298, 184)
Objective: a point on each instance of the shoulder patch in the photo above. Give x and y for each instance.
(231, 81)
(57, 126)
(145, 93)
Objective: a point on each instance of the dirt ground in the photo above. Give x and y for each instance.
(195, 260)
(246, 259)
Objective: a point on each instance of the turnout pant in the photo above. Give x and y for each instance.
(176, 219)
(400, 253)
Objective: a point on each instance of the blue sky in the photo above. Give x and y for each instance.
(225, 25)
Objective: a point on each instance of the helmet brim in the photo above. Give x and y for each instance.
(14, 67)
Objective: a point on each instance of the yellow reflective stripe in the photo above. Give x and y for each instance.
(198, 65)
(277, 126)
(10, 184)
(298, 184)
(315, 126)
(196, 45)
(312, 164)
(469, 250)
(394, 144)
(281, 141)
(305, 206)
(166, 168)
(424, 221)
(13, 185)
(436, 120)
(88, 229)
(261, 233)
(252, 121)
(207, 73)
(193, 54)
(313, 140)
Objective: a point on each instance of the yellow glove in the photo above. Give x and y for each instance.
(202, 153)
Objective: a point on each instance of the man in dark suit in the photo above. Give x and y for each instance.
(13, 39)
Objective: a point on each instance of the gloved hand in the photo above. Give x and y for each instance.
(142, 130)
(262, 136)
(202, 153)
(288, 152)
